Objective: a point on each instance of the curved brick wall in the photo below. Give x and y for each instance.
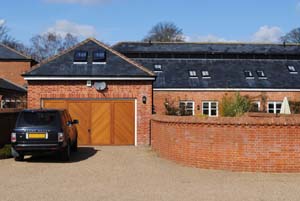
(262, 144)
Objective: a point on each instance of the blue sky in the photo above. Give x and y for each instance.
(130, 20)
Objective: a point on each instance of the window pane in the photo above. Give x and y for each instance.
(205, 105)
(213, 105)
(271, 106)
(189, 105)
(99, 56)
(278, 106)
(205, 112)
(213, 112)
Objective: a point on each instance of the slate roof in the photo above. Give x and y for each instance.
(63, 65)
(7, 53)
(224, 73)
(10, 86)
(251, 48)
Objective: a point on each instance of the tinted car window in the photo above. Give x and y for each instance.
(39, 118)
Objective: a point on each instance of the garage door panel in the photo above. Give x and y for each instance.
(101, 123)
(123, 123)
(55, 104)
(81, 111)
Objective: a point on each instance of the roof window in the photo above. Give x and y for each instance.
(261, 74)
(292, 69)
(193, 74)
(157, 67)
(248, 74)
(99, 57)
(205, 74)
(80, 57)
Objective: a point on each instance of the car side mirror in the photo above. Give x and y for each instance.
(69, 123)
(75, 121)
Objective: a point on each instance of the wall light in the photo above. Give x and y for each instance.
(144, 99)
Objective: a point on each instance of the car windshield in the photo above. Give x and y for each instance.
(38, 118)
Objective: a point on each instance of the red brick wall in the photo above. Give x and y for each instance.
(12, 71)
(116, 89)
(199, 96)
(237, 144)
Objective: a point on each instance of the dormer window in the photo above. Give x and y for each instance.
(261, 74)
(80, 57)
(99, 57)
(193, 74)
(292, 69)
(205, 74)
(157, 68)
(248, 74)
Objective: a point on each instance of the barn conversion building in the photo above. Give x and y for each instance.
(114, 91)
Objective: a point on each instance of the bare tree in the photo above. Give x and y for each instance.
(49, 44)
(292, 37)
(165, 32)
(10, 41)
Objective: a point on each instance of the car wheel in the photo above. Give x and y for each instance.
(75, 145)
(66, 153)
(19, 158)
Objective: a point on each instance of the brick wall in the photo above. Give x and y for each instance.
(13, 70)
(199, 96)
(116, 89)
(266, 144)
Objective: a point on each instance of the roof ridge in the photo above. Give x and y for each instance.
(16, 51)
(212, 43)
(123, 57)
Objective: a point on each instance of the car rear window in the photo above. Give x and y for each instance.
(38, 118)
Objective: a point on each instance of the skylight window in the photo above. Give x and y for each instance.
(248, 74)
(205, 74)
(99, 57)
(261, 74)
(193, 74)
(157, 67)
(292, 69)
(80, 57)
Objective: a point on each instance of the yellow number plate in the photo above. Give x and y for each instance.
(36, 135)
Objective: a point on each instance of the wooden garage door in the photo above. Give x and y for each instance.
(100, 122)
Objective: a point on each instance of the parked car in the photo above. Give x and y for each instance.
(44, 130)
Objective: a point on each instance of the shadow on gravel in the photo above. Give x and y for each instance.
(82, 154)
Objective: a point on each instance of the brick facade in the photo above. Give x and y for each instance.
(237, 144)
(38, 90)
(12, 71)
(199, 96)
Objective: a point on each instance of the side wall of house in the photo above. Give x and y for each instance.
(12, 71)
(198, 97)
(38, 90)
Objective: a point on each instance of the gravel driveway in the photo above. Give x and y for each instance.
(130, 173)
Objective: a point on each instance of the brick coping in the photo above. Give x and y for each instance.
(246, 120)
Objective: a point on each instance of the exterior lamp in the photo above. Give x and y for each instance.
(144, 99)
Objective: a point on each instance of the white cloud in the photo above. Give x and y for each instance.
(207, 38)
(85, 2)
(267, 34)
(2, 21)
(63, 27)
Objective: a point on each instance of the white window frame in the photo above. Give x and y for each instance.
(292, 69)
(275, 104)
(157, 68)
(193, 74)
(209, 108)
(186, 103)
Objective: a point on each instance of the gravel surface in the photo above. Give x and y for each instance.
(130, 173)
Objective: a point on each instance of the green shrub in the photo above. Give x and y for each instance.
(170, 108)
(295, 107)
(235, 105)
(5, 152)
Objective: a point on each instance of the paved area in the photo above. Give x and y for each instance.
(129, 173)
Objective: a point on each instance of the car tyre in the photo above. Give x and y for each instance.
(66, 153)
(75, 145)
(19, 158)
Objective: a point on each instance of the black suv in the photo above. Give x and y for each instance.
(44, 130)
